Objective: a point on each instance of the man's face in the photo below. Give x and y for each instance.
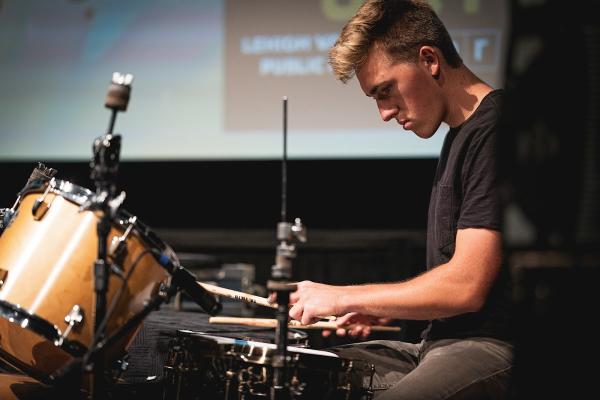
(404, 91)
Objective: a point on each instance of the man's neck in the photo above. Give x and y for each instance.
(464, 92)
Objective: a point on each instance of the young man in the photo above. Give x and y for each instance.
(404, 59)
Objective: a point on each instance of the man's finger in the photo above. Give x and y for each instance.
(343, 320)
(356, 331)
(294, 297)
(340, 331)
(366, 332)
(296, 311)
(307, 319)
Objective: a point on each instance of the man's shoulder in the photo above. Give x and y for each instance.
(486, 119)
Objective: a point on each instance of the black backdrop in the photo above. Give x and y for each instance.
(327, 194)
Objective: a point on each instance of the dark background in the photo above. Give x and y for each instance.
(326, 194)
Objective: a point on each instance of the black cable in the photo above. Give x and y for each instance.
(118, 296)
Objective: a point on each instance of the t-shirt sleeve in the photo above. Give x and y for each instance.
(480, 206)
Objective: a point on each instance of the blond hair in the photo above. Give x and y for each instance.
(400, 26)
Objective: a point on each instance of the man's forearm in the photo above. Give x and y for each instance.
(441, 292)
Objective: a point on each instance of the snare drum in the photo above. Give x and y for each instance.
(149, 350)
(217, 367)
(47, 298)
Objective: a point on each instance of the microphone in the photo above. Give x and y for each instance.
(189, 283)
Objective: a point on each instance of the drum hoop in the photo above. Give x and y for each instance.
(19, 316)
(259, 353)
(79, 195)
(300, 337)
(72, 192)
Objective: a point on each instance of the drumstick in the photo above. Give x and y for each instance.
(272, 323)
(235, 295)
(249, 298)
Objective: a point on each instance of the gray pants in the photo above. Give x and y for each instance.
(474, 368)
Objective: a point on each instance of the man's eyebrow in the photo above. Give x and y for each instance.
(375, 88)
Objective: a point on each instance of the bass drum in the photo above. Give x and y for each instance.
(47, 299)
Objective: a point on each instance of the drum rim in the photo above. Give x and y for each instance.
(300, 338)
(24, 319)
(71, 191)
(259, 353)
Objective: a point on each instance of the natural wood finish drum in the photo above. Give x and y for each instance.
(48, 266)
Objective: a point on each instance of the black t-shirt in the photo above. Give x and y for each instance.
(464, 195)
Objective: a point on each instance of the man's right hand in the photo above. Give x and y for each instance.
(356, 325)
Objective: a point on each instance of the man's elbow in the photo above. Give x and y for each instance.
(474, 301)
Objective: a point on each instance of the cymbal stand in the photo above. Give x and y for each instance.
(104, 169)
(280, 282)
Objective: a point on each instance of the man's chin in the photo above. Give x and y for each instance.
(424, 135)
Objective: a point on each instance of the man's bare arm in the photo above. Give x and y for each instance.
(457, 287)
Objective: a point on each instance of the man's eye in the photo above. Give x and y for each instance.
(385, 91)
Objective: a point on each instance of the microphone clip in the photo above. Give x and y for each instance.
(188, 282)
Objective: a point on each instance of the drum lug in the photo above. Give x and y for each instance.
(117, 244)
(118, 271)
(369, 390)
(73, 318)
(7, 215)
(40, 206)
(3, 275)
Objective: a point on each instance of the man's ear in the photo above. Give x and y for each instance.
(431, 60)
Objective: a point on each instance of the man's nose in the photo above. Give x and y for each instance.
(387, 111)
